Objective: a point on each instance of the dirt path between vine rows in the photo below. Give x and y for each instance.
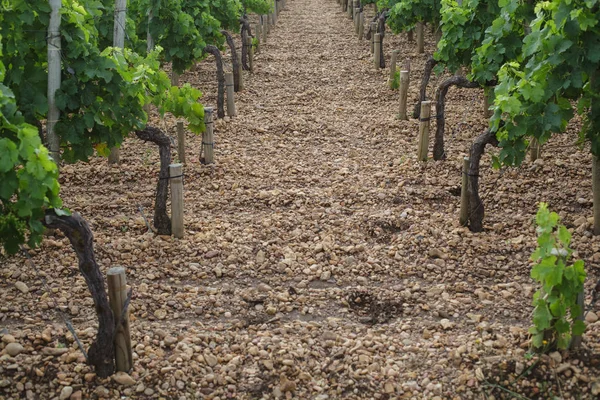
(321, 260)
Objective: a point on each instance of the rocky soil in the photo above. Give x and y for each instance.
(321, 260)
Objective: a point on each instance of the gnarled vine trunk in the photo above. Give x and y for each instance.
(381, 31)
(162, 222)
(440, 105)
(235, 62)
(476, 209)
(245, 32)
(424, 82)
(220, 79)
(77, 230)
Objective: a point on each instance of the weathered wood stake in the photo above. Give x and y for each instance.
(176, 179)
(377, 49)
(240, 76)
(230, 100)
(393, 67)
(250, 53)
(180, 142)
(464, 194)
(424, 130)
(119, 42)
(361, 26)
(420, 38)
(373, 30)
(596, 193)
(208, 142)
(535, 150)
(404, 83)
(117, 294)
(54, 79)
(174, 78)
(257, 35)
(265, 28)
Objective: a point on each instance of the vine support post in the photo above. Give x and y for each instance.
(174, 78)
(117, 295)
(180, 142)
(393, 67)
(176, 179)
(420, 38)
(258, 30)
(424, 130)
(410, 35)
(464, 194)
(535, 150)
(119, 42)
(373, 30)
(596, 193)
(361, 26)
(265, 28)
(488, 94)
(208, 143)
(404, 82)
(576, 339)
(240, 72)
(349, 8)
(54, 79)
(230, 100)
(250, 53)
(377, 50)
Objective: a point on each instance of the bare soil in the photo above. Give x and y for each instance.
(321, 260)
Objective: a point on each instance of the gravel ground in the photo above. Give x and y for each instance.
(321, 260)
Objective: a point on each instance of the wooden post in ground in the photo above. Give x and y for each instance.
(464, 194)
(258, 30)
(176, 179)
(54, 79)
(349, 8)
(487, 96)
(208, 142)
(377, 50)
(393, 67)
(406, 65)
(361, 26)
(250, 53)
(180, 142)
(576, 339)
(420, 38)
(535, 149)
(119, 42)
(373, 30)
(404, 83)
(265, 28)
(424, 130)
(240, 75)
(117, 294)
(410, 35)
(174, 78)
(230, 100)
(596, 193)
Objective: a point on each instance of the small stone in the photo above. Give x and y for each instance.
(14, 349)
(101, 391)
(54, 351)
(65, 393)
(218, 272)
(8, 338)
(555, 355)
(519, 367)
(260, 257)
(446, 324)
(211, 360)
(596, 388)
(4, 383)
(286, 385)
(149, 391)
(437, 253)
(22, 287)
(271, 310)
(591, 317)
(77, 395)
(170, 340)
(211, 254)
(388, 387)
(123, 378)
(140, 388)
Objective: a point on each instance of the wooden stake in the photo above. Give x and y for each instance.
(176, 179)
(410, 35)
(54, 79)
(117, 294)
(373, 29)
(208, 143)
(230, 101)
(118, 42)
(250, 53)
(240, 75)
(258, 30)
(420, 38)
(406, 65)
(174, 78)
(404, 83)
(487, 94)
(576, 339)
(361, 26)
(464, 194)
(424, 130)
(265, 28)
(349, 8)
(535, 149)
(180, 142)
(393, 66)
(377, 50)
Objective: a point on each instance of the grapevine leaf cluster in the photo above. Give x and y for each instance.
(555, 304)
(405, 14)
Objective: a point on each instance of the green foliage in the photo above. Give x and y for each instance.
(556, 309)
(28, 176)
(558, 64)
(404, 14)
(395, 83)
(257, 6)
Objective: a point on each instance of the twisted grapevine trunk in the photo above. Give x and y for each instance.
(76, 229)
(381, 31)
(210, 49)
(440, 97)
(476, 209)
(162, 222)
(424, 82)
(235, 62)
(245, 32)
